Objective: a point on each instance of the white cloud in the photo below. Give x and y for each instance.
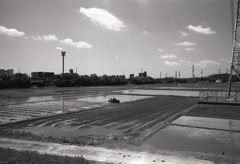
(183, 33)
(10, 32)
(59, 48)
(203, 63)
(189, 49)
(46, 37)
(224, 60)
(103, 18)
(208, 62)
(168, 56)
(160, 50)
(171, 63)
(200, 29)
(146, 33)
(186, 43)
(187, 62)
(79, 45)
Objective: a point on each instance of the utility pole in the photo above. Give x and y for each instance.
(63, 55)
(193, 71)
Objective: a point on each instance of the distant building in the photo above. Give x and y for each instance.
(41, 79)
(42, 75)
(8, 72)
(71, 71)
(131, 75)
(144, 74)
(219, 81)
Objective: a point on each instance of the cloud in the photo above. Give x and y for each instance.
(46, 37)
(208, 62)
(187, 62)
(189, 49)
(10, 32)
(200, 29)
(171, 63)
(103, 17)
(59, 48)
(183, 33)
(168, 56)
(79, 45)
(186, 43)
(203, 63)
(224, 60)
(146, 33)
(160, 50)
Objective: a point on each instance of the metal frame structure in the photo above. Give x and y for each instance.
(235, 61)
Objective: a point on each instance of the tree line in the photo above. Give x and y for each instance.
(20, 80)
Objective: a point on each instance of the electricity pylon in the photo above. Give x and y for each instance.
(235, 61)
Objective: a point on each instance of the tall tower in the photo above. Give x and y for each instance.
(179, 74)
(201, 72)
(235, 61)
(193, 71)
(63, 55)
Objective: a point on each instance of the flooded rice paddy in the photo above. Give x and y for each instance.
(199, 134)
(207, 122)
(162, 92)
(16, 109)
(187, 133)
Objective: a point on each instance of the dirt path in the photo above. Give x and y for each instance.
(99, 154)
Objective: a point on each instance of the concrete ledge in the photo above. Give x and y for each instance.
(219, 103)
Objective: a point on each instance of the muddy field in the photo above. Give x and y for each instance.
(82, 116)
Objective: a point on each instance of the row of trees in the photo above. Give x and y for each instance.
(20, 80)
(74, 79)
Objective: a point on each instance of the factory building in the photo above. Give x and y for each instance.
(8, 72)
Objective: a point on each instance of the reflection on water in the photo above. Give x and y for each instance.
(105, 98)
(206, 122)
(196, 140)
(32, 107)
(7, 101)
(162, 92)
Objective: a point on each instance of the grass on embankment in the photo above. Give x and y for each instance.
(10, 156)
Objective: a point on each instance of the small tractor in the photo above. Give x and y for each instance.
(113, 100)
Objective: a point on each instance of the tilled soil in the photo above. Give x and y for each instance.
(133, 121)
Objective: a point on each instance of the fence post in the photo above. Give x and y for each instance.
(207, 96)
(236, 97)
(226, 98)
(216, 96)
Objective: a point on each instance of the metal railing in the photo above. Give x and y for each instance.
(219, 96)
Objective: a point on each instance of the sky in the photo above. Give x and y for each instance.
(117, 37)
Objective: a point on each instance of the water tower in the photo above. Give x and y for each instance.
(63, 55)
